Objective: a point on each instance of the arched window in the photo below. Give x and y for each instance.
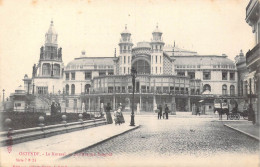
(67, 89)
(224, 90)
(232, 90)
(142, 67)
(46, 69)
(87, 87)
(206, 87)
(72, 89)
(56, 70)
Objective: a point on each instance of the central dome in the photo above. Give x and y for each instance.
(143, 44)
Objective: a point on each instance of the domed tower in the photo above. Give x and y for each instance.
(47, 76)
(125, 56)
(50, 63)
(157, 45)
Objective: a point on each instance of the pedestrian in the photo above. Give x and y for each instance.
(108, 114)
(160, 112)
(166, 111)
(53, 108)
(198, 110)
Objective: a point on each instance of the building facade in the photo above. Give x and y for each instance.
(165, 75)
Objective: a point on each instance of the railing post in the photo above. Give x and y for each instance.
(8, 123)
(64, 117)
(41, 120)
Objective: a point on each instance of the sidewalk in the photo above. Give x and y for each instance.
(53, 148)
(245, 127)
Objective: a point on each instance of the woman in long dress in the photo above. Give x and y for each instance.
(108, 114)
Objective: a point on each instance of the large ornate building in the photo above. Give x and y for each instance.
(253, 57)
(165, 75)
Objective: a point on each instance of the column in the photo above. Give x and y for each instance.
(79, 106)
(188, 101)
(258, 95)
(140, 102)
(193, 109)
(173, 106)
(98, 105)
(88, 104)
(154, 103)
(114, 102)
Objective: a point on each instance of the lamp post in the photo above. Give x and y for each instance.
(133, 74)
(33, 88)
(3, 95)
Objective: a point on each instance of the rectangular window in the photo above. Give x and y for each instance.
(88, 75)
(206, 76)
(160, 59)
(124, 70)
(158, 90)
(110, 89)
(232, 76)
(181, 73)
(128, 59)
(156, 70)
(160, 70)
(224, 75)
(156, 59)
(17, 104)
(102, 73)
(67, 76)
(191, 75)
(73, 76)
(124, 60)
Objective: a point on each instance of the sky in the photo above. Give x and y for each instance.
(210, 27)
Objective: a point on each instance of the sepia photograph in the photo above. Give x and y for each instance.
(129, 83)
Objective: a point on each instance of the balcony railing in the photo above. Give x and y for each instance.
(143, 91)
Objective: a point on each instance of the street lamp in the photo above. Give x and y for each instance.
(133, 74)
(3, 95)
(33, 88)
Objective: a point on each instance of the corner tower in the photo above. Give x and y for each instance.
(157, 45)
(125, 56)
(50, 63)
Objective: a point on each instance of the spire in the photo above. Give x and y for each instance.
(125, 30)
(157, 30)
(174, 44)
(51, 36)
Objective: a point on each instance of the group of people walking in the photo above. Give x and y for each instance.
(118, 115)
(163, 114)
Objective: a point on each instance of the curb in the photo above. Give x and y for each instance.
(252, 136)
(93, 145)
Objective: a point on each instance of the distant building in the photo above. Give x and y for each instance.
(253, 55)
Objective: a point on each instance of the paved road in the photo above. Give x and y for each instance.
(184, 140)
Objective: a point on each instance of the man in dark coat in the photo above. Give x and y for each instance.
(160, 112)
(166, 111)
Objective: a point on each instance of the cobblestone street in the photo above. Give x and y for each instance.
(192, 137)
